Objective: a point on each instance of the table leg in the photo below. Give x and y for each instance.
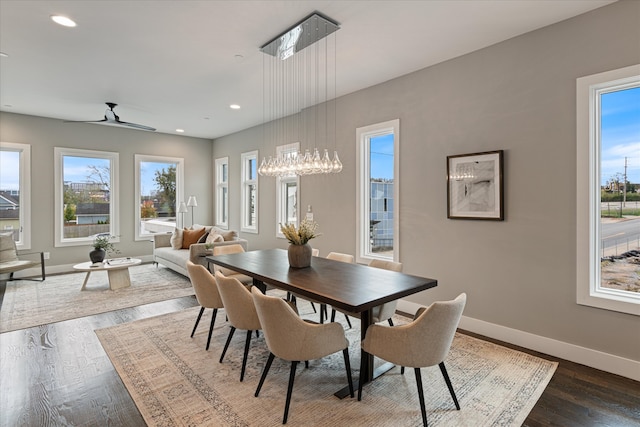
(366, 359)
(86, 279)
(119, 279)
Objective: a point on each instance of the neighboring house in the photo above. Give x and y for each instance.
(9, 211)
(92, 213)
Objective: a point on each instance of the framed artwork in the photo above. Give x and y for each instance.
(475, 186)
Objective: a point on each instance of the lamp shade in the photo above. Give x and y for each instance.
(192, 201)
(182, 208)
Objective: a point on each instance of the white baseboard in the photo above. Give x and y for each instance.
(594, 358)
(36, 273)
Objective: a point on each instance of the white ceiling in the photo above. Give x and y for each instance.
(173, 64)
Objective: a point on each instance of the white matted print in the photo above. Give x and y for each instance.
(475, 187)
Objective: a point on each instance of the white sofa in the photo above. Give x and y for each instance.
(176, 259)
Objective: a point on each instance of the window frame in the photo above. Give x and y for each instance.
(24, 176)
(281, 190)
(588, 287)
(222, 192)
(114, 194)
(140, 158)
(363, 189)
(247, 182)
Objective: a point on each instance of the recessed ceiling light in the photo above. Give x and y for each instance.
(234, 106)
(180, 130)
(63, 20)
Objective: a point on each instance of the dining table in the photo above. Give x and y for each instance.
(351, 287)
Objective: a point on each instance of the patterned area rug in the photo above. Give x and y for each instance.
(174, 381)
(28, 303)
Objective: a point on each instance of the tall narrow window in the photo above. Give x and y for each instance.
(86, 202)
(222, 192)
(287, 205)
(15, 192)
(608, 190)
(377, 190)
(159, 188)
(250, 192)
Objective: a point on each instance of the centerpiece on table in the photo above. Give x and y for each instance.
(102, 246)
(299, 248)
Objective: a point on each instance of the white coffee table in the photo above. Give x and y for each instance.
(117, 271)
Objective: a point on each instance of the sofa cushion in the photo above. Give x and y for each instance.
(176, 239)
(214, 237)
(189, 237)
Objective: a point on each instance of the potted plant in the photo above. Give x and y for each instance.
(299, 249)
(102, 246)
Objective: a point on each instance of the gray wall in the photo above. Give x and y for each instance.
(518, 96)
(44, 134)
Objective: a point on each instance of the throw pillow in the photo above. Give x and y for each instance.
(176, 239)
(229, 235)
(214, 237)
(189, 237)
(203, 238)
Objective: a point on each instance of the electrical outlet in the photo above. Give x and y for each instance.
(47, 255)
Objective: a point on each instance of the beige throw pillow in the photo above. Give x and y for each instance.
(214, 237)
(176, 239)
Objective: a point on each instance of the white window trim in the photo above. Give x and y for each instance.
(588, 289)
(114, 194)
(246, 183)
(281, 201)
(219, 185)
(24, 241)
(140, 158)
(363, 188)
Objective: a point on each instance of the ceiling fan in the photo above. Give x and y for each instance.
(111, 117)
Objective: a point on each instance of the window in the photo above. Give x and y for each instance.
(159, 186)
(86, 202)
(15, 192)
(287, 207)
(250, 192)
(608, 171)
(222, 192)
(377, 203)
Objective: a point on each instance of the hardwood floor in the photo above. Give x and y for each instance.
(59, 375)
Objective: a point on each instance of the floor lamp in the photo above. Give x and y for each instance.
(181, 210)
(192, 202)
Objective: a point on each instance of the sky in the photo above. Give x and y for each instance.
(382, 156)
(620, 135)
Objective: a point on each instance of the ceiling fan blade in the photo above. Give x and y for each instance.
(135, 125)
(85, 121)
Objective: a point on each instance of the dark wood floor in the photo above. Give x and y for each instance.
(59, 375)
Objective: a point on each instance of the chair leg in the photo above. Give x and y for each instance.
(333, 314)
(421, 396)
(348, 321)
(390, 322)
(360, 382)
(292, 376)
(401, 370)
(323, 312)
(42, 265)
(264, 373)
(213, 321)
(347, 365)
(448, 381)
(227, 343)
(197, 321)
(246, 353)
(314, 307)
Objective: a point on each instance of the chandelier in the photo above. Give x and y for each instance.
(296, 100)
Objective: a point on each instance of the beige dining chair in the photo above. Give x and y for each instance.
(230, 249)
(204, 284)
(387, 310)
(293, 339)
(337, 256)
(424, 342)
(241, 312)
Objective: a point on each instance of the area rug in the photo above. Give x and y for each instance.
(30, 303)
(174, 381)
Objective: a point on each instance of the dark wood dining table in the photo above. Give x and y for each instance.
(351, 287)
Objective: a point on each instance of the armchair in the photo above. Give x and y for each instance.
(10, 261)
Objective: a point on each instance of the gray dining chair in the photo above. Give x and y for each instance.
(241, 312)
(424, 342)
(293, 339)
(206, 289)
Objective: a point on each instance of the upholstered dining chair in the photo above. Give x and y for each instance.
(293, 339)
(424, 342)
(337, 256)
(241, 312)
(387, 310)
(230, 249)
(293, 298)
(206, 288)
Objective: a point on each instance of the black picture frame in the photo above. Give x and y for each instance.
(475, 186)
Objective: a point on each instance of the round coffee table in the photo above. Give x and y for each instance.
(117, 271)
